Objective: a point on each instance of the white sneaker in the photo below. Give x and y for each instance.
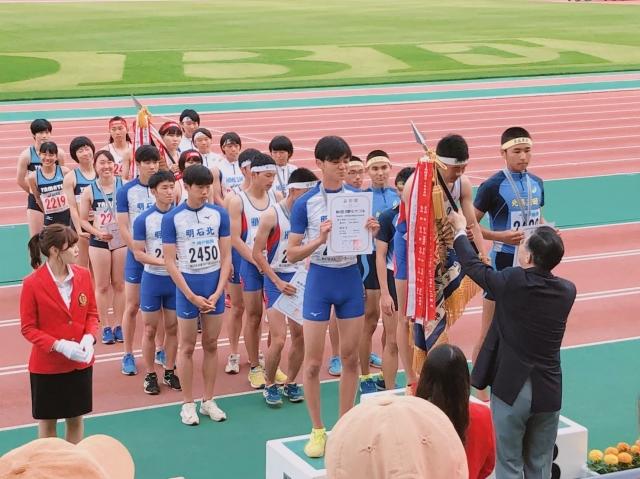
(233, 364)
(189, 415)
(211, 409)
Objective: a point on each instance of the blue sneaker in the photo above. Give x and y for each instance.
(107, 336)
(380, 384)
(335, 366)
(294, 392)
(272, 395)
(161, 358)
(367, 385)
(117, 334)
(375, 361)
(129, 365)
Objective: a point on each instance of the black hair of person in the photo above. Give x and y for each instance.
(189, 154)
(247, 155)
(49, 147)
(230, 137)
(332, 148)
(127, 138)
(170, 128)
(40, 125)
(262, 159)
(513, 133)
(375, 153)
(198, 175)
(302, 175)
(79, 142)
(160, 176)
(453, 146)
(204, 131)
(106, 153)
(546, 248)
(444, 382)
(356, 158)
(191, 114)
(281, 143)
(404, 174)
(60, 236)
(147, 153)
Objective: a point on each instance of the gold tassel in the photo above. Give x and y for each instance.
(457, 302)
(438, 202)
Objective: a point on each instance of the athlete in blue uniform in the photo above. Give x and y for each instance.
(245, 209)
(46, 186)
(157, 289)
(388, 298)
(513, 198)
(355, 179)
(132, 200)
(333, 281)
(273, 237)
(29, 161)
(81, 150)
(107, 251)
(378, 169)
(197, 234)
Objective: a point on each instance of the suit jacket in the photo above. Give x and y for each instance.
(523, 341)
(45, 318)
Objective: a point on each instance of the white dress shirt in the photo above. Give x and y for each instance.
(65, 287)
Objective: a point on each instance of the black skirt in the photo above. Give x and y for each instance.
(61, 396)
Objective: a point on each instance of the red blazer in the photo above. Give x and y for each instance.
(45, 318)
(480, 444)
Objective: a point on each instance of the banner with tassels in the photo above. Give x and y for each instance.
(144, 133)
(437, 289)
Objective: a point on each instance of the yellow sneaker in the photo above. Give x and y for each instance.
(281, 378)
(316, 444)
(256, 377)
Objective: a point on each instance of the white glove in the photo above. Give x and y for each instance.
(70, 350)
(87, 344)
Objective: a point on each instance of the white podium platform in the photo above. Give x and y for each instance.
(286, 458)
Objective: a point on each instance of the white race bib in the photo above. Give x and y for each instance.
(517, 219)
(201, 253)
(54, 201)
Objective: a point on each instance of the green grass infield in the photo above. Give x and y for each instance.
(58, 50)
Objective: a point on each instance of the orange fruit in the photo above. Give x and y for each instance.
(625, 458)
(611, 459)
(623, 447)
(611, 450)
(595, 455)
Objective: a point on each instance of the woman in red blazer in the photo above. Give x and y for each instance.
(59, 317)
(444, 381)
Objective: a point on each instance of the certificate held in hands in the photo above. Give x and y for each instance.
(349, 213)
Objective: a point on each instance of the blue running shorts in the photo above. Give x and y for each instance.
(203, 285)
(341, 288)
(157, 292)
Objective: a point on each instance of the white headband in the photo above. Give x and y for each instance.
(378, 159)
(452, 161)
(301, 185)
(199, 134)
(517, 141)
(258, 169)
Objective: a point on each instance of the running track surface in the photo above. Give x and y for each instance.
(575, 135)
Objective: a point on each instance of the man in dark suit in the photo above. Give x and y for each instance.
(520, 357)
